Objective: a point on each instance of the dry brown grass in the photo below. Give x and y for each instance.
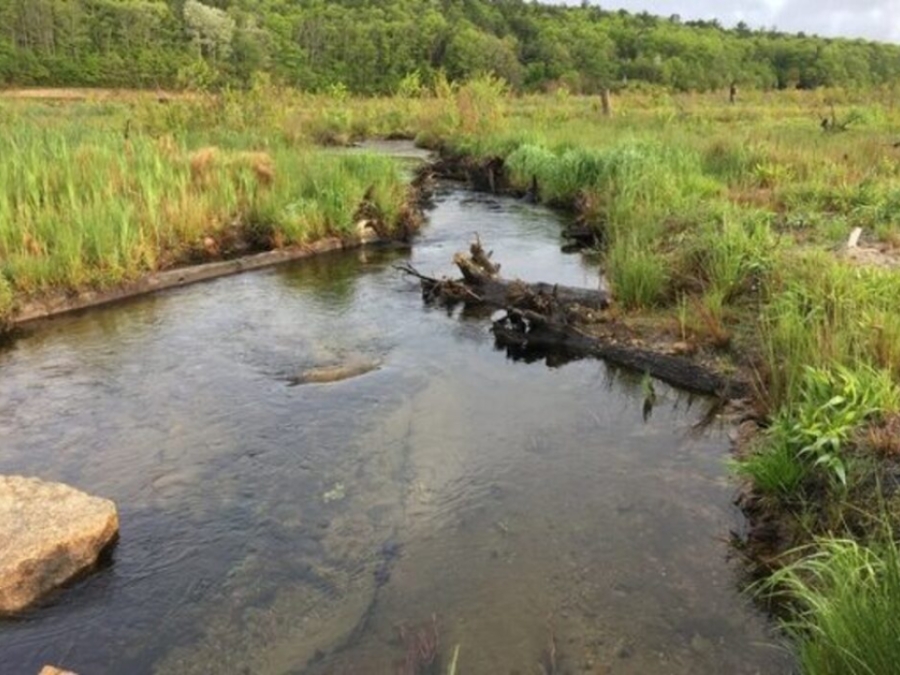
(202, 163)
(260, 163)
(205, 162)
(91, 94)
(884, 438)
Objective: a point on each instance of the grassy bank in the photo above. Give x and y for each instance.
(723, 226)
(727, 225)
(107, 192)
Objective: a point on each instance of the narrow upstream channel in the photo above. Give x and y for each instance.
(524, 513)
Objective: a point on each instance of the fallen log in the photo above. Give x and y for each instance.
(581, 236)
(481, 284)
(553, 321)
(524, 332)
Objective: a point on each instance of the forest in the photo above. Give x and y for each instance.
(377, 47)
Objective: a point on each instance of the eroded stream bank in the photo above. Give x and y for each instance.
(270, 528)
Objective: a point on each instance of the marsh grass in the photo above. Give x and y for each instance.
(774, 468)
(846, 606)
(83, 206)
(112, 189)
(93, 193)
(727, 217)
(823, 312)
(641, 193)
(639, 274)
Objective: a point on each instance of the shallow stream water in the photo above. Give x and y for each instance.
(526, 514)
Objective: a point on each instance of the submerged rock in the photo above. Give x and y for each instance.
(327, 374)
(335, 494)
(49, 533)
(52, 670)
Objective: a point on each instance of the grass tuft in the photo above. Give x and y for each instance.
(846, 599)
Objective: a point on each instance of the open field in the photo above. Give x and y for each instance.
(77, 94)
(725, 225)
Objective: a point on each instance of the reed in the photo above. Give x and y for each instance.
(846, 606)
(88, 207)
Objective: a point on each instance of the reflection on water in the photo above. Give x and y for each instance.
(277, 529)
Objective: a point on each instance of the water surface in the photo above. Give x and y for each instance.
(269, 528)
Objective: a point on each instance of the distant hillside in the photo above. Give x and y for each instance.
(371, 46)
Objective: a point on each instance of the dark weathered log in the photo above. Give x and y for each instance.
(606, 102)
(524, 330)
(583, 236)
(480, 275)
(549, 320)
(481, 284)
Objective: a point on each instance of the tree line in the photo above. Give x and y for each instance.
(372, 46)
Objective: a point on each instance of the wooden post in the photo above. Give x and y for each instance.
(605, 102)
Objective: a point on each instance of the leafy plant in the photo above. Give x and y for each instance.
(833, 405)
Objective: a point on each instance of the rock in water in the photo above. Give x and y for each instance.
(49, 533)
(53, 670)
(338, 373)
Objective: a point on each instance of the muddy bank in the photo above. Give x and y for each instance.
(61, 303)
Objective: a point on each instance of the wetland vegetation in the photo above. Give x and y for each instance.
(722, 225)
(726, 226)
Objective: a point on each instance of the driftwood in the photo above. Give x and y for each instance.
(524, 332)
(833, 125)
(580, 236)
(481, 284)
(606, 102)
(550, 320)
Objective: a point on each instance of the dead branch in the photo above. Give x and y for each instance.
(552, 319)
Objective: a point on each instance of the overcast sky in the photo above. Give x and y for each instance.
(876, 19)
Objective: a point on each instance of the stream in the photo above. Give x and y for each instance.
(523, 514)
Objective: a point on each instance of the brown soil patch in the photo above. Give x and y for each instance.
(882, 256)
(89, 94)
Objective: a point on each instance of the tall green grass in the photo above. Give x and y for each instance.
(821, 312)
(640, 193)
(91, 208)
(846, 600)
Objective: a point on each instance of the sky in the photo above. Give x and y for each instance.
(874, 19)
